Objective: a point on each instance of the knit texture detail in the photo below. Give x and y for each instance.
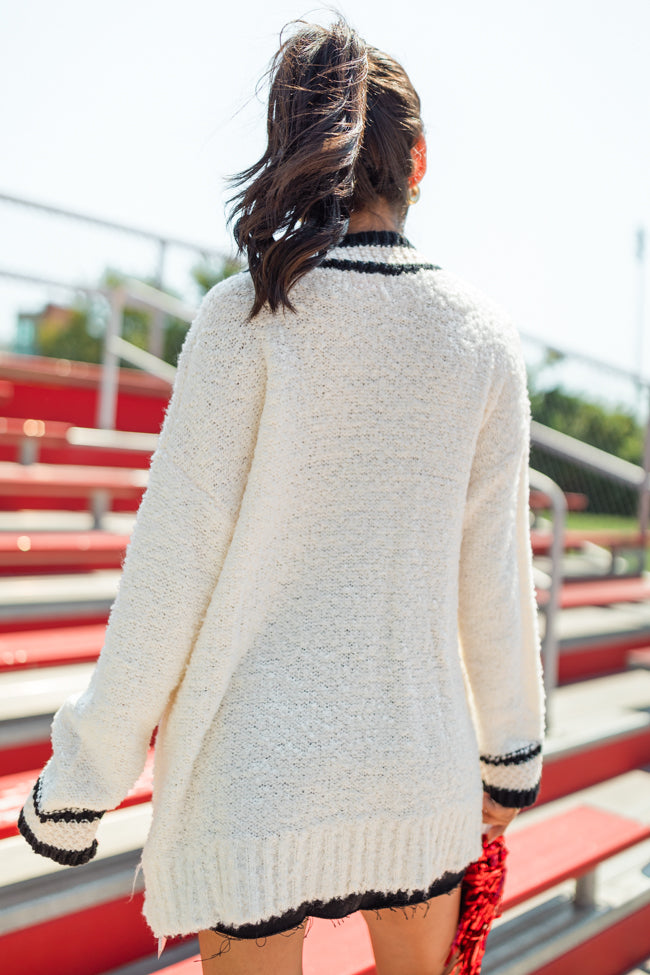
(326, 605)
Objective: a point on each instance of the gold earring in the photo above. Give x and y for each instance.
(413, 194)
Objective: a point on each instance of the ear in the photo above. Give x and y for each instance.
(419, 157)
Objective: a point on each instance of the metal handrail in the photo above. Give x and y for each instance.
(123, 440)
(116, 347)
(163, 239)
(144, 294)
(144, 360)
(588, 360)
(568, 448)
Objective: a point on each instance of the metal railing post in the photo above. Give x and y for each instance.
(550, 645)
(107, 404)
(644, 496)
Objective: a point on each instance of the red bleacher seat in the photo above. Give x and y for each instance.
(38, 480)
(601, 592)
(80, 551)
(576, 538)
(51, 647)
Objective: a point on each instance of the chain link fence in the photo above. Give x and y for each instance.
(597, 404)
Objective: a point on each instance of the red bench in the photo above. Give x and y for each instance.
(575, 539)
(30, 435)
(40, 552)
(53, 486)
(601, 655)
(51, 647)
(38, 480)
(61, 389)
(539, 501)
(55, 441)
(600, 592)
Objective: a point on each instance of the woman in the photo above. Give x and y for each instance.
(326, 606)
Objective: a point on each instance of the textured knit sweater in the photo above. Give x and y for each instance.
(326, 605)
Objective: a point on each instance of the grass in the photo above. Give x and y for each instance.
(585, 521)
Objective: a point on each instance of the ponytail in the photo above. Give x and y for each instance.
(296, 200)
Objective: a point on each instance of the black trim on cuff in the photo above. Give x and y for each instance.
(512, 798)
(68, 858)
(514, 758)
(64, 815)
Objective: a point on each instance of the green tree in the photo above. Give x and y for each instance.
(72, 341)
(612, 430)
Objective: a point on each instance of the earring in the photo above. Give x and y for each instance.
(413, 194)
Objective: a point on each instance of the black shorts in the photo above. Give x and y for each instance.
(340, 907)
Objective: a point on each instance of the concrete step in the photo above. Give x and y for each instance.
(25, 693)
(28, 601)
(597, 729)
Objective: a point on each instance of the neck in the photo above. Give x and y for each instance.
(380, 216)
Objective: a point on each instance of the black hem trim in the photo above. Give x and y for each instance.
(340, 907)
(512, 798)
(64, 815)
(513, 758)
(374, 238)
(67, 858)
(374, 267)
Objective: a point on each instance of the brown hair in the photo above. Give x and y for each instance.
(342, 120)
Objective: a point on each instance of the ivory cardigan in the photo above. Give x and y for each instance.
(326, 605)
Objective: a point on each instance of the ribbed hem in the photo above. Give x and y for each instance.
(255, 879)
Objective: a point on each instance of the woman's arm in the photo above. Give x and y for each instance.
(183, 529)
(497, 609)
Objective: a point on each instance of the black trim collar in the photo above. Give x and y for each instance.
(372, 267)
(374, 238)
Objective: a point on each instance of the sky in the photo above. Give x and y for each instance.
(536, 115)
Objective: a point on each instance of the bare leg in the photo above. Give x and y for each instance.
(279, 954)
(414, 940)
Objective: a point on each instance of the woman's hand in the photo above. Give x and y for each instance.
(496, 817)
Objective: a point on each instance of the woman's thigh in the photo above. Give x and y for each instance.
(414, 940)
(277, 954)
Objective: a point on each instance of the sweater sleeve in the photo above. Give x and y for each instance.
(182, 532)
(497, 609)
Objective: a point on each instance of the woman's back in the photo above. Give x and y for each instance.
(337, 706)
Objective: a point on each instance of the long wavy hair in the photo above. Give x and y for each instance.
(342, 120)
